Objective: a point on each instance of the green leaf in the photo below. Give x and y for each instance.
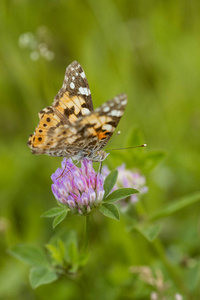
(59, 218)
(120, 194)
(176, 206)
(73, 253)
(83, 259)
(55, 253)
(150, 232)
(29, 255)
(109, 210)
(61, 247)
(41, 275)
(53, 212)
(110, 182)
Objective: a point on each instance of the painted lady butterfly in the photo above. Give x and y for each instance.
(70, 127)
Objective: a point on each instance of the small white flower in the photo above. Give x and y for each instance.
(34, 55)
(178, 297)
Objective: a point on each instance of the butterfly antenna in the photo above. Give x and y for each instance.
(118, 133)
(143, 145)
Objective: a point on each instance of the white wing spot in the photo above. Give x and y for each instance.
(116, 113)
(73, 78)
(82, 75)
(76, 73)
(107, 127)
(124, 102)
(84, 91)
(72, 85)
(106, 109)
(85, 111)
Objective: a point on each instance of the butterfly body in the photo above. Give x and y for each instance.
(70, 127)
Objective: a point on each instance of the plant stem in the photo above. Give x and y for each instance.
(173, 271)
(170, 268)
(87, 233)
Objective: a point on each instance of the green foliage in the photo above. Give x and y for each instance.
(109, 210)
(176, 205)
(120, 194)
(63, 258)
(29, 255)
(53, 212)
(41, 275)
(59, 213)
(110, 182)
(59, 218)
(150, 232)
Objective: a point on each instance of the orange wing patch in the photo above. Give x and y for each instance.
(71, 107)
(40, 136)
(96, 125)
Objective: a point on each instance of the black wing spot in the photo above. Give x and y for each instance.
(69, 111)
(79, 114)
(113, 123)
(48, 119)
(45, 125)
(40, 130)
(39, 139)
(83, 105)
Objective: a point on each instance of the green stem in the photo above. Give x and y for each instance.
(158, 246)
(170, 268)
(87, 233)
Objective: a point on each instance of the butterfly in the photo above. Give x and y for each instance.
(70, 127)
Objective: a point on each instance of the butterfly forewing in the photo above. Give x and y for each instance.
(74, 98)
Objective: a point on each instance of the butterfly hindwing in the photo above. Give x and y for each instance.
(102, 122)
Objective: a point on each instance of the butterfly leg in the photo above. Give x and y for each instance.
(63, 172)
(100, 167)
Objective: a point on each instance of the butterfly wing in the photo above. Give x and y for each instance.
(74, 98)
(98, 127)
(72, 102)
(89, 133)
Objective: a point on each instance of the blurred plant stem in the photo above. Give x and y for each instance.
(87, 233)
(157, 244)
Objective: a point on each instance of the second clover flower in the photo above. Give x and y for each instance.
(81, 189)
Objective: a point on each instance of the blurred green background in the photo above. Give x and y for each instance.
(151, 51)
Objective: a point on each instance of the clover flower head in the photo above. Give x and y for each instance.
(128, 179)
(81, 189)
